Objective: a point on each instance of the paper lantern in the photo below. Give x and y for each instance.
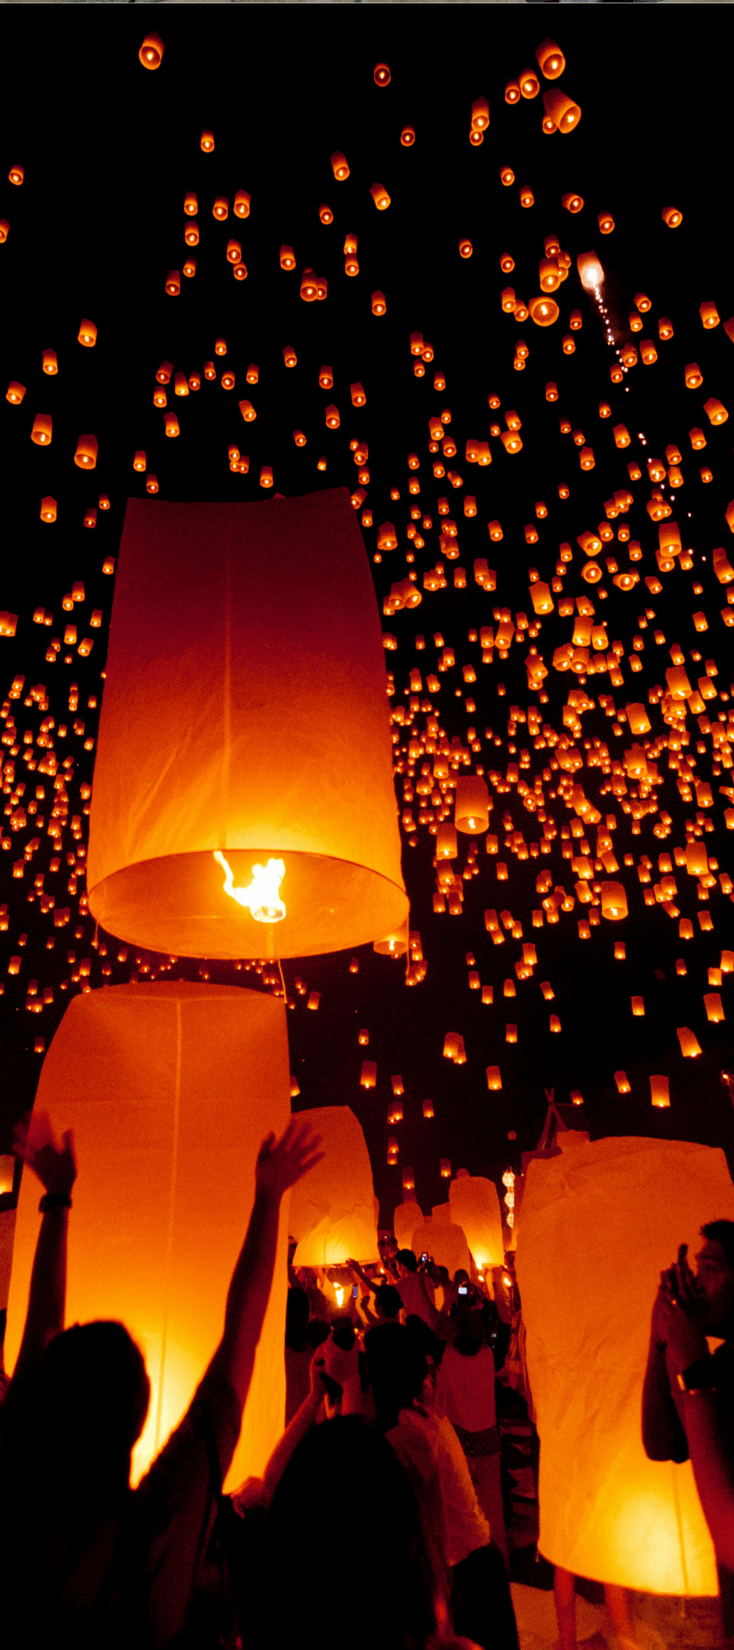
(471, 813)
(443, 1241)
(689, 1044)
(170, 1089)
(405, 1219)
(606, 1218)
(151, 51)
(244, 713)
(42, 431)
(613, 901)
(475, 1207)
(332, 1211)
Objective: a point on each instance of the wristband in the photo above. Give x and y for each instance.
(54, 1200)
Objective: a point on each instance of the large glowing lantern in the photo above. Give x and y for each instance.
(334, 1211)
(475, 1207)
(170, 1090)
(244, 714)
(599, 1223)
(406, 1218)
(443, 1241)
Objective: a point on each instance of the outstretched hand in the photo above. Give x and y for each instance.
(280, 1163)
(53, 1161)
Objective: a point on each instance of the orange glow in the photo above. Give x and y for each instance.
(262, 896)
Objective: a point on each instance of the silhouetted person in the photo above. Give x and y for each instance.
(688, 1394)
(84, 1559)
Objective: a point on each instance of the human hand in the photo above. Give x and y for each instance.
(250, 1496)
(280, 1163)
(53, 1161)
(677, 1317)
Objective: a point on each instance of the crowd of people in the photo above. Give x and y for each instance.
(379, 1518)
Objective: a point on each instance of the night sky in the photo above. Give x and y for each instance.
(109, 151)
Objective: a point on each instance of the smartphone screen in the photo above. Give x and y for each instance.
(354, 1292)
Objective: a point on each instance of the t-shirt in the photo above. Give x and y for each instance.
(132, 1577)
(434, 1459)
(465, 1389)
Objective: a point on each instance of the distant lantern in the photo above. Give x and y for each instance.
(494, 1080)
(87, 334)
(689, 1045)
(622, 1081)
(613, 901)
(671, 216)
(659, 1090)
(543, 311)
(139, 1072)
(606, 1511)
(550, 59)
(332, 1210)
(42, 430)
(471, 813)
(591, 274)
(475, 1207)
(48, 509)
(151, 51)
(713, 1006)
(258, 784)
(562, 110)
(380, 196)
(368, 1076)
(86, 452)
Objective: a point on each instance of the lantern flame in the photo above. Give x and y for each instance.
(262, 897)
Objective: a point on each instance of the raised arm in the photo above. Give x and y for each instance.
(54, 1164)
(705, 1416)
(279, 1165)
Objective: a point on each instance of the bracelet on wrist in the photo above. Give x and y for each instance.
(54, 1200)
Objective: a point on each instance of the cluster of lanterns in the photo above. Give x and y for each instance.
(625, 727)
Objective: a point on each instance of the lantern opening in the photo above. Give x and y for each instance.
(262, 896)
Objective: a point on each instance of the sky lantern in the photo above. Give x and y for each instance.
(475, 1207)
(273, 750)
(606, 1512)
(333, 1212)
(151, 51)
(437, 1235)
(181, 1083)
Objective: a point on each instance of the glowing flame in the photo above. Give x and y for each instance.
(590, 271)
(262, 897)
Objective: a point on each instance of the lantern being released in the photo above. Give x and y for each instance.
(475, 1207)
(170, 1090)
(243, 729)
(601, 1221)
(334, 1211)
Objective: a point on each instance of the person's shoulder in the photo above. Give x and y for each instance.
(211, 1424)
